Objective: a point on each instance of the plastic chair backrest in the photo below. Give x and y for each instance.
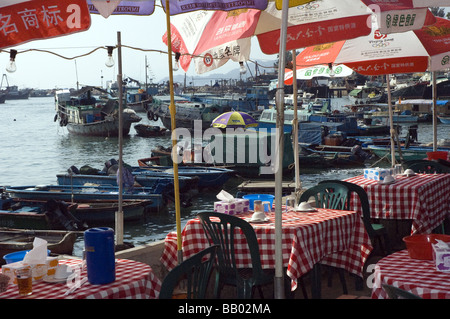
(196, 270)
(222, 229)
(429, 167)
(327, 195)
(396, 293)
(364, 199)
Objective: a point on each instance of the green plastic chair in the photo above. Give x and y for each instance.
(326, 195)
(377, 232)
(333, 196)
(429, 167)
(397, 293)
(197, 272)
(221, 230)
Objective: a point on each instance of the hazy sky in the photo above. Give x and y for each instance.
(44, 70)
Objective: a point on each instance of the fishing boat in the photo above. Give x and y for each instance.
(369, 93)
(86, 193)
(207, 177)
(407, 154)
(37, 214)
(145, 130)
(161, 180)
(188, 113)
(444, 119)
(83, 113)
(333, 156)
(104, 211)
(58, 242)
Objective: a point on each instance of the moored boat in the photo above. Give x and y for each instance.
(58, 242)
(145, 130)
(444, 119)
(104, 211)
(207, 177)
(84, 114)
(36, 214)
(86, 193)
(408, 154)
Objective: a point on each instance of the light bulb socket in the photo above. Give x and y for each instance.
(12, 55)
(110, 50)
(177, 56)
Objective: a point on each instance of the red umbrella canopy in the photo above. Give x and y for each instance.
(379, 54)
(215, 37)
(26, 20)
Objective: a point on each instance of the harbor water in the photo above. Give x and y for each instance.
(34, 149)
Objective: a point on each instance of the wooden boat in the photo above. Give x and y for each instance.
(104, 212)
(161, 181)
(325, 156)
(84, 114)
(444, 119)
(408, 154)
(206, 176)
(36, 214)
(83, 194)
(59, 242)
(145, 130)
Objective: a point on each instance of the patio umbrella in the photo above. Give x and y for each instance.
(427, 49)
(212, 38)
(234, 120)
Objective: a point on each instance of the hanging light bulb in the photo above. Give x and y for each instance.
(176, 65)
(330, 66)
(109, 61)
(11, 67)
(242, 68)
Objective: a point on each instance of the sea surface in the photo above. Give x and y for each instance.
(34, 148)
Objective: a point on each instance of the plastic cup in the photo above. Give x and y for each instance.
(24, 281)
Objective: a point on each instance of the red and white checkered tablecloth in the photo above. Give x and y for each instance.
(331, 237)
(134, 280)
(419, 277)
(422, 198)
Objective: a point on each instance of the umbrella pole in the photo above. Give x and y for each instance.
(174, 141)
(391, 121)
(119, 213)
(434, 113)
(298, 184)
(279, 278)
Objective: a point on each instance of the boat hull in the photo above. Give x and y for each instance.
(208, 177)
(101, 212)
(408, 154)
(444, 119)
(80, 194)
(101, 128)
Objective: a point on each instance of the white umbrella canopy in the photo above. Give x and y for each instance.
(212, 38)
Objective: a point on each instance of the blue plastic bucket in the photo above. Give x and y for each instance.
(17, 256)
(100, 258)
(262, 197)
